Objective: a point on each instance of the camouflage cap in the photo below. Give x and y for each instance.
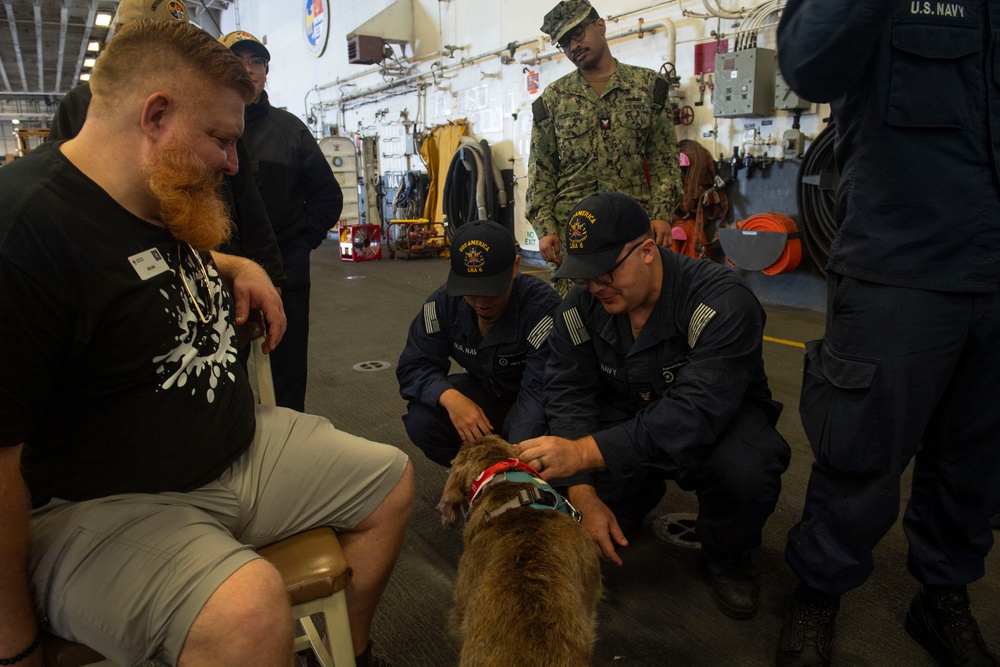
(244, 38)
(165, 10)
(564, 17)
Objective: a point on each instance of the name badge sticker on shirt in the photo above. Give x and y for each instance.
(148, 263)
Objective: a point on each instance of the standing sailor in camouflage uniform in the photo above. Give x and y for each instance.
(594, 130)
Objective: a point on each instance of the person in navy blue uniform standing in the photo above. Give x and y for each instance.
(907, 368)
(494, 323)
(655, 372)
(303, 202)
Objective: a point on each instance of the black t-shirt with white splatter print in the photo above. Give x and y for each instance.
(107, 373)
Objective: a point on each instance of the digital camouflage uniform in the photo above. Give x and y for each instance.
(582, 143)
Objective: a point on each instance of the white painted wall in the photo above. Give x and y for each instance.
(471, 82)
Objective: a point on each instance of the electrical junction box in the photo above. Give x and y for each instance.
(787, 99)
(409, 145)
(744, 83)
(793, 144)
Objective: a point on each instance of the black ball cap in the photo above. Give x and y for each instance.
(482, 254)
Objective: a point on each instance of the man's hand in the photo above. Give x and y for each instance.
(549, 246)
(555, 457)
(252, 288)
(599, 521)
(468, 418)
(661, 232)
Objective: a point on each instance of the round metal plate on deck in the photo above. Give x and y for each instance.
(369, 366)
(678, 529)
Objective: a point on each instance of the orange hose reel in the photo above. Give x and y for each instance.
(791, 255)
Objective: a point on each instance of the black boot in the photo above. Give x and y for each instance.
(940, 620)
(734, 587)
(810, 626)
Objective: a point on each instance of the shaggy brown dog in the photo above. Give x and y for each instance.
(529, 579)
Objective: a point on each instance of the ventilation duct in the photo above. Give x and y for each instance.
(378, 24)
(365, 50)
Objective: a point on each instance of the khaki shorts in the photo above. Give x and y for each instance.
(128, 574)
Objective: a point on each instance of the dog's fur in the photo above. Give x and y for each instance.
(528, 580)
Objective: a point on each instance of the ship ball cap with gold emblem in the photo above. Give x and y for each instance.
(598, 229)
(482, 254)
(164, 10)
(243, 38)
(564, 17)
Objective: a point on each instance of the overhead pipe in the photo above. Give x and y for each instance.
(713, 12)
(721, 13)
(639, 10)
(416, 78)
(29, 115)
(687, 13)
(437, 54)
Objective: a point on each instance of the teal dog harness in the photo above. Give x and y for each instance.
(539, 495)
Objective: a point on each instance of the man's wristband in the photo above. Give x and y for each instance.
(25, 653)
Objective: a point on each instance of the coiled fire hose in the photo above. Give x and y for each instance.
(790, 257)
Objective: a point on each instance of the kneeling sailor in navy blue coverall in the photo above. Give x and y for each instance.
(655, 372)
(494, 323)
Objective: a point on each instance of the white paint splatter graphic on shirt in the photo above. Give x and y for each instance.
(204, 352)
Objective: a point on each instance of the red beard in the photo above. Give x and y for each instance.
(187, 191)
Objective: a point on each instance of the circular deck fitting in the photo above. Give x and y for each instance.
(369, 366)
(678, 529)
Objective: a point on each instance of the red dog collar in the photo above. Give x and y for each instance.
(485, 476)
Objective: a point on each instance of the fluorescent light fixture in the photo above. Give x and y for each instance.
(89, 62)
(85, 76)
(16, 121)
(102, 20)
(94, 47)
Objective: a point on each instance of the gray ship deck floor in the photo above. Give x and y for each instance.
(656, 608)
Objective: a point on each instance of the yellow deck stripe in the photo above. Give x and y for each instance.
(782, 341)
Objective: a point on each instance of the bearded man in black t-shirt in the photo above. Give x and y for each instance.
(124, 415)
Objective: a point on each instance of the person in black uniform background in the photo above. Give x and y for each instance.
(907, 368)
(303, 202)
(655, 372)
(494, 323)
(251, 236)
